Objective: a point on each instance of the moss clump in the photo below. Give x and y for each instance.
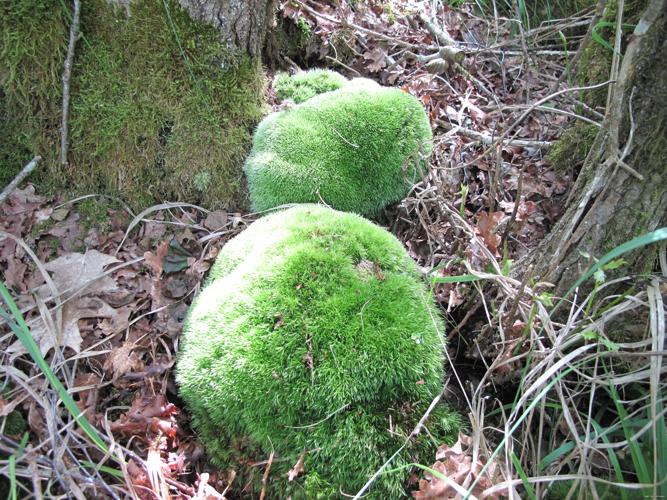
(596, 59)
(358, 149)
(157, 102)
(571, 149)
(303, 86)
(314, 333)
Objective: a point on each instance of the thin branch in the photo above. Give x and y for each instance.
(487, 139)
(361, 29)
(74, 35)
(441, 35)
(22, 175)
(531, 108)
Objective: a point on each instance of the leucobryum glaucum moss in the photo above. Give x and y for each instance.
(315, 334)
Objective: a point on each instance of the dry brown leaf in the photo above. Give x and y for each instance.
(75, 272)
(70, 336)
(297, 469)
(455, 463)
(487, 224)
(216, 220)
(123, 360)
(156, 260)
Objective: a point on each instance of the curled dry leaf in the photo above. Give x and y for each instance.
(297, 469)
(156, 260)
(122, 360)
(456, 464)
(487, 224)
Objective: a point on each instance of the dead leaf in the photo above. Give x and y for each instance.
(122, 360)
(297, 469)
(455, 463)
(156, 260)
(75, 272)
(216, 220)
(377, 58)
(486, 228)
(73, 311)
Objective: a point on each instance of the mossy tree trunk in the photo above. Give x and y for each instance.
(621, 191)
(242, 24)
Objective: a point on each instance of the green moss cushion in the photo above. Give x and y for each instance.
(314, 333)
(357, 149)
(304, 85)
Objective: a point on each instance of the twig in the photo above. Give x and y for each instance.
(510, 223)
(524, 48)
(22, 175)
(74, 35)
(361, 29)
(531, 108)
(265, 477)
(442, 36)
(487, 139)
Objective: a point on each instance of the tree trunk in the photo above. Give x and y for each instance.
(242, 24)
(621, 191)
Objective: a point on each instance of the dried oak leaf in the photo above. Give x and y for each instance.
(156, 260)
(456, 464)
(487, 223)
(75, 276)
(122, 360)
(377, 59)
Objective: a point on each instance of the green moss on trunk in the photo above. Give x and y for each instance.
(159, 108)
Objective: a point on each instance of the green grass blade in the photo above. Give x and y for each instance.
(12, 478)
(613, 459)
(21, 330)
(516, 425)
(628, 246)
(638, 460)
(564, 448)
(102, 468)
(463, 278)
(523, 476)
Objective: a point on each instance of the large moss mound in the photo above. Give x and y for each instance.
(316, 334)
(358, 149)
(159, 108)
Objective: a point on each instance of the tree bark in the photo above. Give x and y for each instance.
(621, 191)
(242, 24)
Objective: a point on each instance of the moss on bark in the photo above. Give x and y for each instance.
(160, 109)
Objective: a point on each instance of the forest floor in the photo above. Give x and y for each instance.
(105, 290)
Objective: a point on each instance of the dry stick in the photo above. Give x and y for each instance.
(73, 37)
(22, 175)
(530, 109)
(524, 48)
(519, 293)
(493, 182)
(375, 34)
(265, 477)
(510, 223)
(442, 36)
(487, 139)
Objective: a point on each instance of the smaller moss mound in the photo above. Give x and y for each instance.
(303, 86)
(315, 334)
(357, 149)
